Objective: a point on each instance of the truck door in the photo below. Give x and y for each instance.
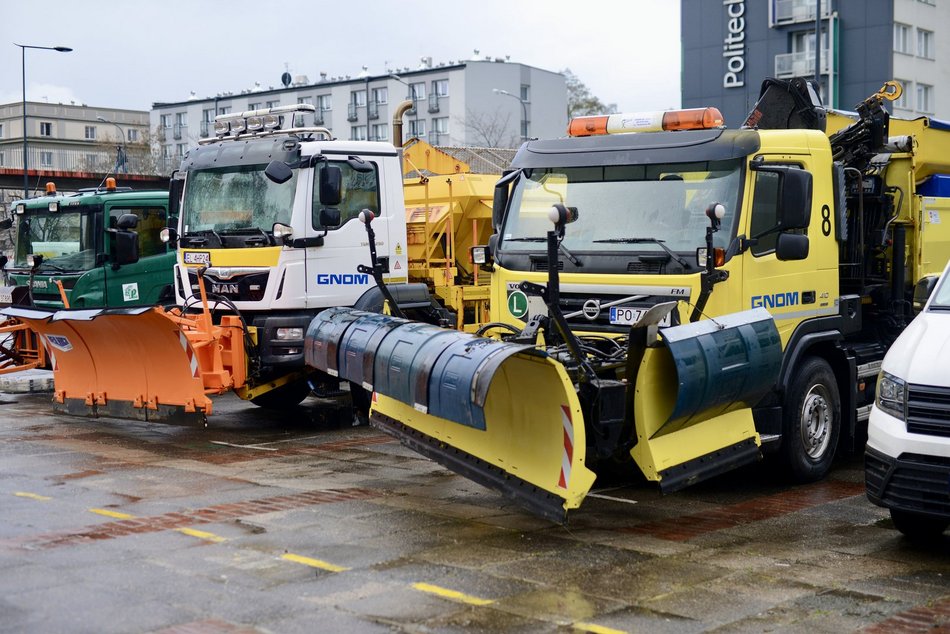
(332, 276)
(149, 280)
(792, 291)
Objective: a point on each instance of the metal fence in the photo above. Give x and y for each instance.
(129, 161)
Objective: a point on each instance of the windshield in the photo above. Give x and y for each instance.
(624, 205)
(66, 240)
(941, 296)
(236, 198)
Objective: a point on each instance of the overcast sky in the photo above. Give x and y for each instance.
(129, 54)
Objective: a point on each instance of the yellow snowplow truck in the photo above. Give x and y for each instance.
(674, 294)
(267, 236)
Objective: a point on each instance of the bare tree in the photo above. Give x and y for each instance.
(490, 129)
(580, 101)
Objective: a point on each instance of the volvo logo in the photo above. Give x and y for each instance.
(591, 309)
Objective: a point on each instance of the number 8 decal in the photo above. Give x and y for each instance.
(826, 220)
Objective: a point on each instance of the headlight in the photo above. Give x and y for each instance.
(289, 334)
(891, 395)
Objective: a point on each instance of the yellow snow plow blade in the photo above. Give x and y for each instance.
(137, 363)
(504, 415)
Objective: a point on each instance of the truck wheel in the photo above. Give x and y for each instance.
(916, 526)
(811, 421)
(284, 397)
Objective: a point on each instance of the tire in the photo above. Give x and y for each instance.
(811, 421)
(284, 397)
(917, 526)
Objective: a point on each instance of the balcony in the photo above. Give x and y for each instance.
(176, 132)
(319, 117)
(795, 11)
(351, 114)
(800, 64)
(433, 103)
(373, 111)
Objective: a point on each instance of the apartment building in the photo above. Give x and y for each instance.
(730, 46)
(484, 102)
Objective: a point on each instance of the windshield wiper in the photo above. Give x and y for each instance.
(656, 241)
(55, 267)
(197, 236)
(246, 230)
(570, 256)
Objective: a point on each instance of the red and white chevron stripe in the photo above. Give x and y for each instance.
(568, 455)
(192, 358)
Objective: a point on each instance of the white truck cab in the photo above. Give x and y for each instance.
(907, 460)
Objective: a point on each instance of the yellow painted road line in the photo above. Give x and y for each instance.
(115, 514)
(451, 594)
(597, 629)
(313, 563)
(211, 537)
(32, 496)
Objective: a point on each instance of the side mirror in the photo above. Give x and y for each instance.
(127, 222)
(500, 200)
(278, 172)
(791, 246)
(176, 187)
(923, 289)
(6, 223)
(126, 247)
(329, 217)
(331, 185)
(794, 210)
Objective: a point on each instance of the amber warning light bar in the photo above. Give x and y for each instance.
(690, 119)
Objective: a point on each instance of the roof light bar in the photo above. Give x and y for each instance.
(689, 119)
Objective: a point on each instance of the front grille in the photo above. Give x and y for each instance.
(913, 482)
(542, 265)
(574, 302)
(245, 288)
(648, 268)
(928, 410)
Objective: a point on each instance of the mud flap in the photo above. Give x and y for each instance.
(124, 363)
(505, 415)
(693, 396)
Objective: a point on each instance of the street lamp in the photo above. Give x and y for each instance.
(524, 110)
(125, 150)
(23, 47)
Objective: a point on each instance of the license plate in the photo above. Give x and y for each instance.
(627, 315)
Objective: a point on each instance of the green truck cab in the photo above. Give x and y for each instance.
(101, 244)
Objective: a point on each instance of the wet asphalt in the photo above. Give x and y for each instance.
(300, 522)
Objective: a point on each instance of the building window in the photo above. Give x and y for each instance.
(417, 127)
(207, 115)
(3, 159)
(46, 128)
(224, 110)
(440, 87)
(324, 102)
(358, 98)
(526, 93)
(358, 133)
(1, 130)
(180, 149)
(925, 44)
(306, 100)
(440, 129)
(380, 95)
(166, 151)
(181, 118)
(417, 91)
(166, 121)
(925, 97)
(90, 133)
(380, 132)
(902, 38)
(46, 159)
(133, 135)
(273, 104)
(254, 106)
(903, 101)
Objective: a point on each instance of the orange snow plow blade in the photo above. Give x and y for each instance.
(137, 363)
(504, 415)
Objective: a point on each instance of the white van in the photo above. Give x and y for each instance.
(907, 461)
